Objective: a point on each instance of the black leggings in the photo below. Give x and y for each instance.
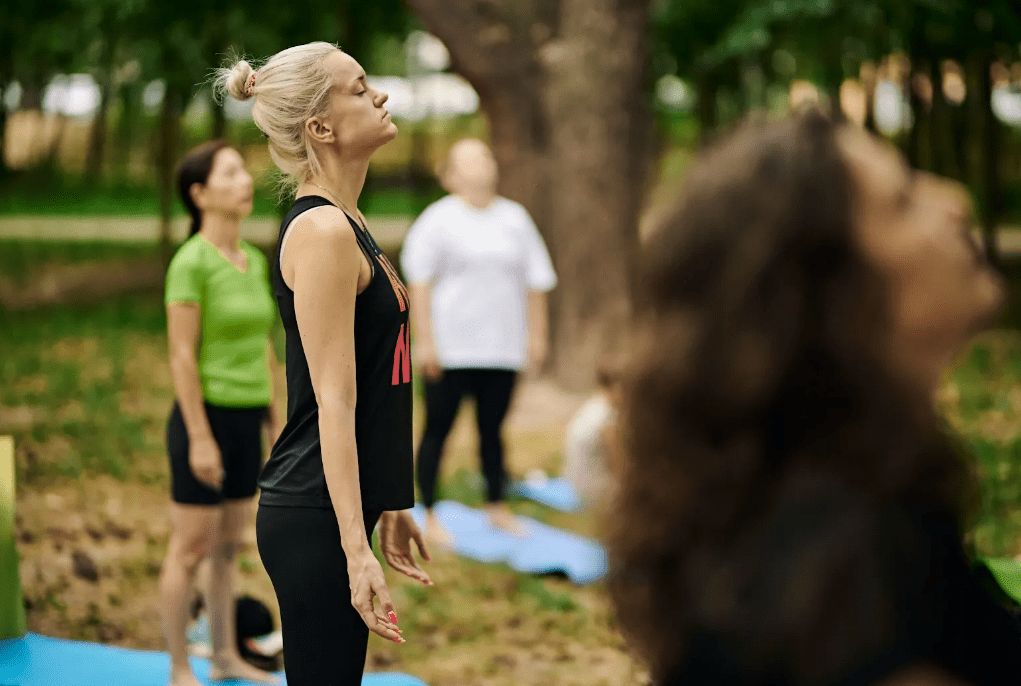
(325, 639)
(492, 390)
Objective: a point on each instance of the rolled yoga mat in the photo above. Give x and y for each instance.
(544, 550)
(12, 610)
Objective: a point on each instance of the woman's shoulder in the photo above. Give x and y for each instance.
(191, 252)
(514, 209)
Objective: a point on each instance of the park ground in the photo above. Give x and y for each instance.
(86, 390)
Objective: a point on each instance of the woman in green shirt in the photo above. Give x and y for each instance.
(219, 314)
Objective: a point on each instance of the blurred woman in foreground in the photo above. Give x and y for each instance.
(792, 506)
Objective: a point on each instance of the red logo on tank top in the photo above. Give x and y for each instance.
(402, 357)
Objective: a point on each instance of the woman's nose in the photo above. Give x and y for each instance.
(381, 98)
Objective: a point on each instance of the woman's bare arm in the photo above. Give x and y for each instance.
(184, 323)
(538, 327)
(326, 260)
(421, 310)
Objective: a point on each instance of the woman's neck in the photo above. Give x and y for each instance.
(341, 178)
(223, 231)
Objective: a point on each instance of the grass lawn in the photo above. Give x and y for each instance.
(86, 392)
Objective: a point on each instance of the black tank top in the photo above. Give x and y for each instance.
(293, 475)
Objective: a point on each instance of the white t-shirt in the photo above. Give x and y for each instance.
(481, 264)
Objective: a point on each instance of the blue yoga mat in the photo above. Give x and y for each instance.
(555, 493)
(544, 550)
(36, 660)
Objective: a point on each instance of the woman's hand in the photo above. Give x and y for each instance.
(427, 361)
(396, 531)
(205, 462)
(538, 351)
(367, 582)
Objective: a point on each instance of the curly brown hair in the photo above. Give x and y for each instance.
(758, 350)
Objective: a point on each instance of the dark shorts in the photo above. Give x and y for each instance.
(238, 433)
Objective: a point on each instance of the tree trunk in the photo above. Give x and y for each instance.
(601, 146)
(52, 157)
(705, 110)
(919, 138)
(97, 136)
(167, 145)
(219, 121)
(4, 84)
(130, 96)
(984, 146)
(870, 107)
(941, 128)
(563, 86)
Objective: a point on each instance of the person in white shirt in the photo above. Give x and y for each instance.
(479, 275)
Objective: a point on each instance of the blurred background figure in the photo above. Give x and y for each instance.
(791, 501)
(590, 448)
(479, 274)
(219, 315)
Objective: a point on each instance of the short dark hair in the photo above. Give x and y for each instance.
(195, 167)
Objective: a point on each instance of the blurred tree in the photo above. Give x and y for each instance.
(688, 30)
(34, 46)
(830, 41)
(103, 25)
(567, 92)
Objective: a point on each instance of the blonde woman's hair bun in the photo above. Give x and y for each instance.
(237, 81)
(290, 87)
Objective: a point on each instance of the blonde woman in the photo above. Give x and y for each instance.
(344, 459)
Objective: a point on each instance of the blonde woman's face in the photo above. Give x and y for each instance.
(359, 120)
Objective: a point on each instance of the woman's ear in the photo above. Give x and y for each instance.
(319, 130)
(196, 191)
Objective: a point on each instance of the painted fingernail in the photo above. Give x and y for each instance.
(393, 617)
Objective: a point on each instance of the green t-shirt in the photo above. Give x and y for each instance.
(238, 310)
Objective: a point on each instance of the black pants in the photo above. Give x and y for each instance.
(325, 639)
(492, 390)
